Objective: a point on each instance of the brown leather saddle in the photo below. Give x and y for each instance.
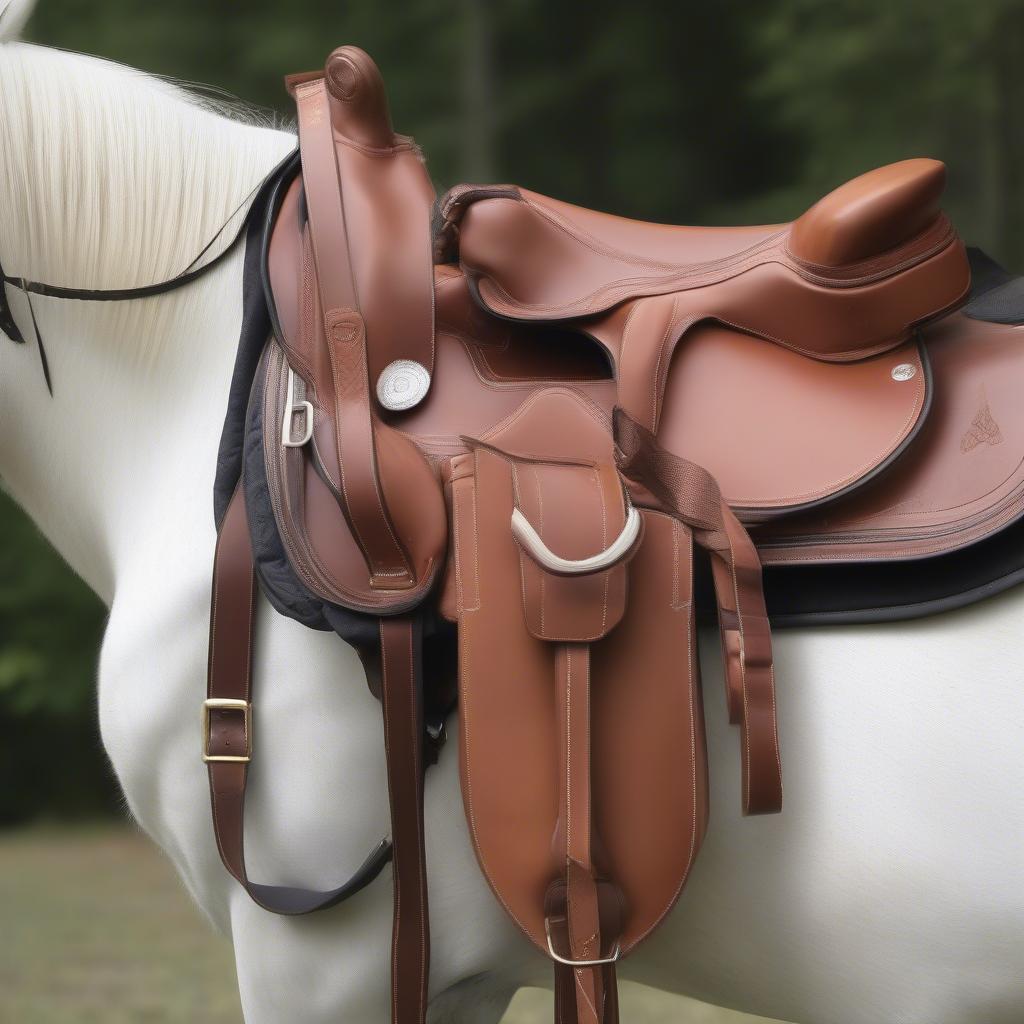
(484, 437)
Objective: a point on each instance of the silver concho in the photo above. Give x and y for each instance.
(904, 371)
(402, 384)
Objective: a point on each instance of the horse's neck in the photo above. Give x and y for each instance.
(128, 442)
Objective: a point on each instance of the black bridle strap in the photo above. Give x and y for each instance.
(186, 276)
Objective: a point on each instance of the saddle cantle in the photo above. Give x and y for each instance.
(536, 443)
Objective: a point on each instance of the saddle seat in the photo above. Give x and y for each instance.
(783, 358)
(849, 278)
(864, 217)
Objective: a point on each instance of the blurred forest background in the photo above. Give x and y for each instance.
(737, 111)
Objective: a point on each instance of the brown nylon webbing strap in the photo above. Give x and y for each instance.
(688, 492)
(345, 335)
(402, 698)
(229, 727)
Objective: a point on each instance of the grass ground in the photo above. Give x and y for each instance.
(95, 929)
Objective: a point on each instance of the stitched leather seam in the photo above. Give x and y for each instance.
(502, 302)
(575, 232)
(607, 574)
(467, 777)
(657, 383)
(693, 784)
(687, 276)
(495, 383)
(585, 401)
(523, 558)
(540, 527)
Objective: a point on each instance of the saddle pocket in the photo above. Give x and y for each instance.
(519, 607)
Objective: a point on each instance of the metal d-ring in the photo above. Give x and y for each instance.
(527, 536)
(291, 407)
(611, 958)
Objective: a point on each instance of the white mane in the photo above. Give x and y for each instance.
(110, 177)
(13, 16)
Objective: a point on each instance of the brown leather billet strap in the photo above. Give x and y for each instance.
(566, 1007)
(689, 493)
(583, 917)
(583, 912)
(345, 335)
(585, 994)
(401, 645)
(228, 723)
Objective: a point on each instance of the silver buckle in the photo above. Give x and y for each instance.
(228, 703)
(603, 962)
(291, 407)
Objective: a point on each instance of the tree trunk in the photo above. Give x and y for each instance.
(478, 114)
(1007, 47)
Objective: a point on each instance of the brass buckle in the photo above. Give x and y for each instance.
(230, 704)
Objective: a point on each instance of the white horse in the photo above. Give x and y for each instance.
(890, 889)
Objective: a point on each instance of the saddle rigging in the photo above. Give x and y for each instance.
(501, 442)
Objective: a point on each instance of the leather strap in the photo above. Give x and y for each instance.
(229, 736)
(689, 493)
(345, 334)
(575, 902)
(401, 643)
(566, 1008)
(228, 728)
(582, 913)
(746, 659)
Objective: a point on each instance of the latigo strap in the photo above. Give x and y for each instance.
(690, 494)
